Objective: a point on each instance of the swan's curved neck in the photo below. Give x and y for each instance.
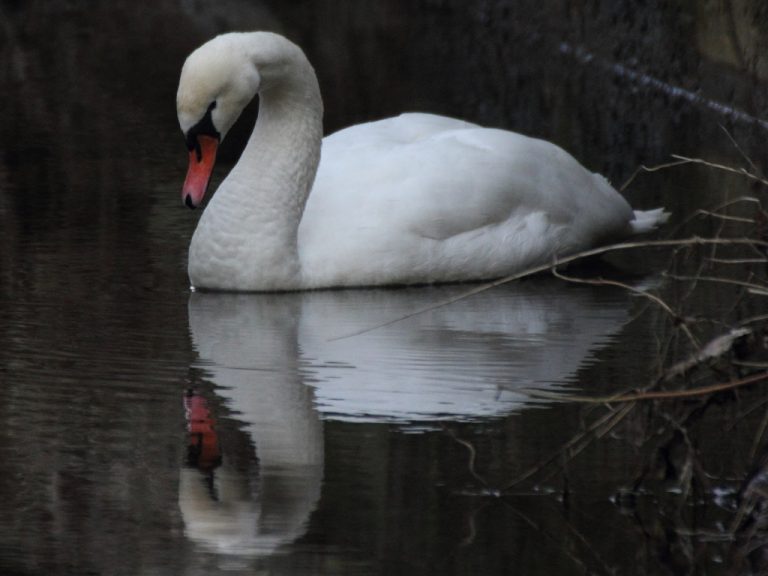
(260, 204)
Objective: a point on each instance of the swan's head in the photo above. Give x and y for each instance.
(217, 81)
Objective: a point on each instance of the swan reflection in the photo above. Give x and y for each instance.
(253, 506)
(278, 364)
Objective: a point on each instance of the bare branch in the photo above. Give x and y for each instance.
(753, 288)
(723, 167)
(655, 395)
(644, 168)
(577, 443)
(692, 241)
(738, 260)
(714, 349)
(739, 149)
(676, 317)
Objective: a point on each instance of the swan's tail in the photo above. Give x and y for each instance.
(648, 220)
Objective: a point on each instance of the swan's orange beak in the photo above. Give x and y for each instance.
(201, 160)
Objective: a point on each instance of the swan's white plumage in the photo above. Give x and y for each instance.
(413, 199)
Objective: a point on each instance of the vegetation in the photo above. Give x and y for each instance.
(712, 357)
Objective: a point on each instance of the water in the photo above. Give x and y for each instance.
(145, 429)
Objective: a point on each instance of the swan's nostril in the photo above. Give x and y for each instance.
(188, 201)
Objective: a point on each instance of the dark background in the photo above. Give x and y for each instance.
(94, 345)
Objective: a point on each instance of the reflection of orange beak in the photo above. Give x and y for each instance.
(203, 443)
(201, 161)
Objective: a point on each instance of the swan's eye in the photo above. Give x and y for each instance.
(204, 127)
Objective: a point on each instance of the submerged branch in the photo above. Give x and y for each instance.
(472, 457)
(575, 445)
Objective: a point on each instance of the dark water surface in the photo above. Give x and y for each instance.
(145, 429)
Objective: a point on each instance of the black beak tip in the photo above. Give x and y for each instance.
(188, 201)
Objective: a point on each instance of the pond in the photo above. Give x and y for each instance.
(148, 429)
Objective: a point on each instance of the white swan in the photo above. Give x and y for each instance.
(413, 199)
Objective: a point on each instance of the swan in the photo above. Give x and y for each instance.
(413, 199)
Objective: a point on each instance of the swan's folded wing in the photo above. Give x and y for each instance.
(430, 198)
(438, 183)
(479, 178)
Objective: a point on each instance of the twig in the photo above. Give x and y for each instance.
(472, 458)
(714, 209)
(750, 286)
(714, 349)
(742, 415)
(686, 470)
(644, 168)
(567, 548)
(683, 160)
(724, 217)
(758, 436)
(609, 420)
(738, 260)
(723, 167)
(655, 395)
(754, 319)
(733, 140)
(752, 365)
(692, 241)
(677, 318)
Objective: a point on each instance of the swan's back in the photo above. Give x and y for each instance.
(424, 198)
